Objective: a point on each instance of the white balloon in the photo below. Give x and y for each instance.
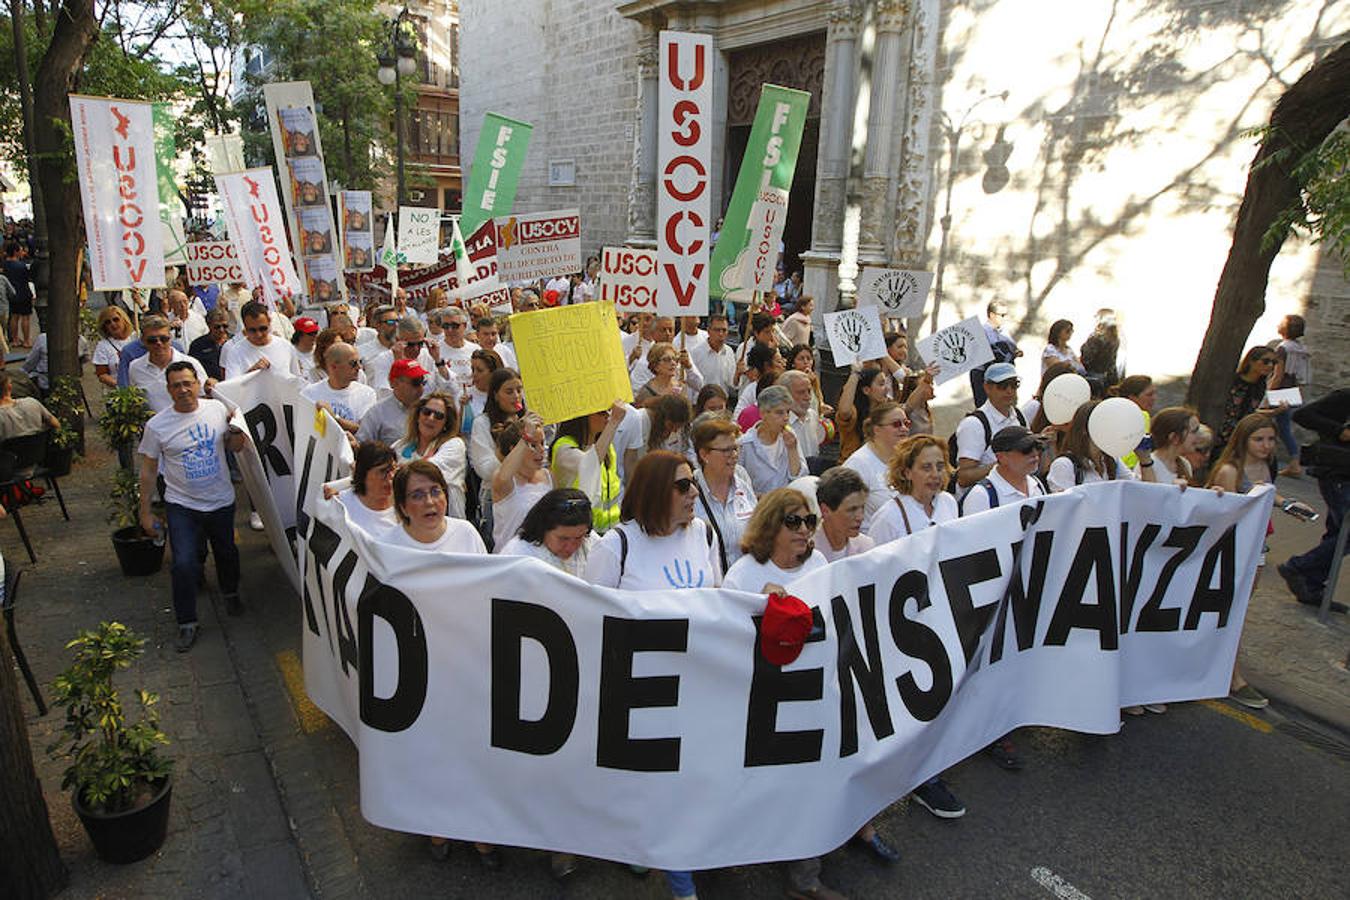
(1063, 396)
(1116, 426)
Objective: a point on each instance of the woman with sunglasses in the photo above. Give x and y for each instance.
(556, 530)
(885, 427)
(433, 435)
(504, 404)
(1246, 393)
(777, 545)
(115, 332)
(726, 497)
(368, 495)
(521, 479)
(769, 449)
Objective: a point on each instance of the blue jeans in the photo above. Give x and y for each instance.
(1315, 565)
(189, 532)
(681, 884)
(1284, 426)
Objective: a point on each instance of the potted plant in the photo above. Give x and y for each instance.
(125, 413)
(66, 402)
(122, 783)
(137, 552)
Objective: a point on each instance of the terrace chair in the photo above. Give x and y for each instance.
(23, 461)
(7, 604)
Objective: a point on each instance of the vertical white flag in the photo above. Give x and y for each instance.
(115, 155)
(254, 218)
(389, 255)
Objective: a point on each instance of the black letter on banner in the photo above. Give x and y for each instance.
(959, 575)
(853, 667)
(1222, 555)
(1153, 617)
(323, 544)
(399, 712)
(301, 517)
(620, 693)
(512, 623)
(346, 637)
(1025, 599)
(770, 686)
(1131, 575)
(1094, 554)
(917, 641)
(263, 426)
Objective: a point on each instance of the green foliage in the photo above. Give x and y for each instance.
(125, 412)
(1322, 211)
(124, 500)
(67, 404)
(89, 326)
(114, 762)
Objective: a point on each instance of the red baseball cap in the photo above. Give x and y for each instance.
(406, 368)
(783, 632)
(551, 298)
(306, 325)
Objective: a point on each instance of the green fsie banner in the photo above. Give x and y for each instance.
(496, 170)
(758, 205)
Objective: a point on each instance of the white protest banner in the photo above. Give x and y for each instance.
(419, 234)
(768, 216)
(899, 293)
(225, 153)
(538, 245)
(253, 219)
(322, 454)
(956, 349)
(684, 160)
(115, 156)
(855, 334)
(485, 290)
(213, 262)
(1054, 612)
(628, 278)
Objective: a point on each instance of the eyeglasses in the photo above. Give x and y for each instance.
(389, 321)
(432, 413)
(898, 423)
(574, 506)
(258, 329)
(1010, 383)
(221, 326)
(453, 324)
(413, 343)
(792, 521)
(683, 485)
(155, 339)
(417, 382)
(734, 448)
(425, 494)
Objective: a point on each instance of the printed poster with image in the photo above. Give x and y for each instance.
(360, 250)
(899, 293)
(323, 280)
(316, 232)
(956, 349)
(855, 334)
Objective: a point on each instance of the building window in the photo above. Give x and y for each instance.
(435, 132)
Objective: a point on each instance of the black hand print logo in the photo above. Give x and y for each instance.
(850, 330)
(895, 289)
(953, 346)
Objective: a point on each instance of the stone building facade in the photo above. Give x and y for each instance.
(1061, 156)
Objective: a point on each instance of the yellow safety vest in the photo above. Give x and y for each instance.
(604, 512)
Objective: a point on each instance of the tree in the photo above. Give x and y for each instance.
(1308, 112)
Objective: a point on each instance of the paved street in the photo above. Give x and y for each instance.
(1205, 801)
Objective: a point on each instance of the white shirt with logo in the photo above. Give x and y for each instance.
(238, 357)
(350, 403)
(147, 376)
(747, 574)
(683, 559)
(190, 450)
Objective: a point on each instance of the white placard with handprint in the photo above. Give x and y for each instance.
(855, 334)
(901, 293)
(956, 349)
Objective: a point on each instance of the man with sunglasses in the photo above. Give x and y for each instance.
(456, 349)
(147, 372)
(260, 349)
(975, 434)
(411, 344)
(340, 393)
(387, 420)
(206, 349)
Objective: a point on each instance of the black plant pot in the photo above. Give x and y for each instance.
(136, 553)
(59, 460)
(125, 837)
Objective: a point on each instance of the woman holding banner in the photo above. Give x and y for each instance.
(557, 531)
(421, 498)
(433, 435)
(521, 479)
(368, 496)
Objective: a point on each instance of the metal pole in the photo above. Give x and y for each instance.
(1329, 591)
(398, 134)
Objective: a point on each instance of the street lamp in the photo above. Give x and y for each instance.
(397, 59)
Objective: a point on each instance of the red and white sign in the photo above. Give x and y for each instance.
(538, 245)
(684, 160)
(258, 232)
(115, 155)
(628, 278)
(213, 262)
(489, 291)
(768, 215)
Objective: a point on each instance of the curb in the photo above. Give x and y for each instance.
(1329, 715)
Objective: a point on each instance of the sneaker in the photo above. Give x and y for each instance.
(1005, 754)
(255, 521)
(1297, 585)
(1156, 708)
(878, 847)
(1133, 710)
(187, 636)
(233, 605)
(938, 799)
(1249, 697)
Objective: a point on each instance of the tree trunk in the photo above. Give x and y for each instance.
(30, 865)
(1308, 112)
(73, 33)
(16, 15)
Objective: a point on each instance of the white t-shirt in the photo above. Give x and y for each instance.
(377, 523)
(237, 357)
(509, 512)
(1060, 476)
(350, 403)
(107, 352)
(716, 366)
(574, 565)
(852, 547)
(970, 443)
(977, 498)
(506, 353)
(190, 450)
(874, 474)
(889, 524)
(733, 515)
(684, 559)
(147, 376)
(459, 361)
(746, 574)
(377, 370)
(451, 458)
(459, 537)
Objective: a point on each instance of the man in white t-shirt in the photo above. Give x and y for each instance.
(186, 444)
(637, 336)
(456, 349)
(688, 335)
(340, 393)
(410, 344)
(147, 372)
(260, 349)
(974, 453)
(381, 334)
(489, 338)
(1017, 453)
(715, 359)
(842, 496)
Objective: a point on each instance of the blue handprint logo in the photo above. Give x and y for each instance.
(683, 577)
(200, 459)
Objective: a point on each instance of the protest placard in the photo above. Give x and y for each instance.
(898, 293)
(956, 349)
(684, 161)
(768, 217)
(538, 245)
(357, 227)
(213, 262)
(253, 218)
(855, 334)
(497, 161)
(115, 158)
(571, 360)
(628, 278)
(419, 234)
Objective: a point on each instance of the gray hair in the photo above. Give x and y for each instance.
(217, 315)
(410, 325)
(452, 312)
(791, 375)
(153, 322)
(771, 398)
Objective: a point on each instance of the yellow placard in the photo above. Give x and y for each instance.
(571, 360)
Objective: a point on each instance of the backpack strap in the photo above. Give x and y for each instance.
(904, 514)
(984, 423)
(1022, 420)
(712, 521)
(989, 488)
(623, 550)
